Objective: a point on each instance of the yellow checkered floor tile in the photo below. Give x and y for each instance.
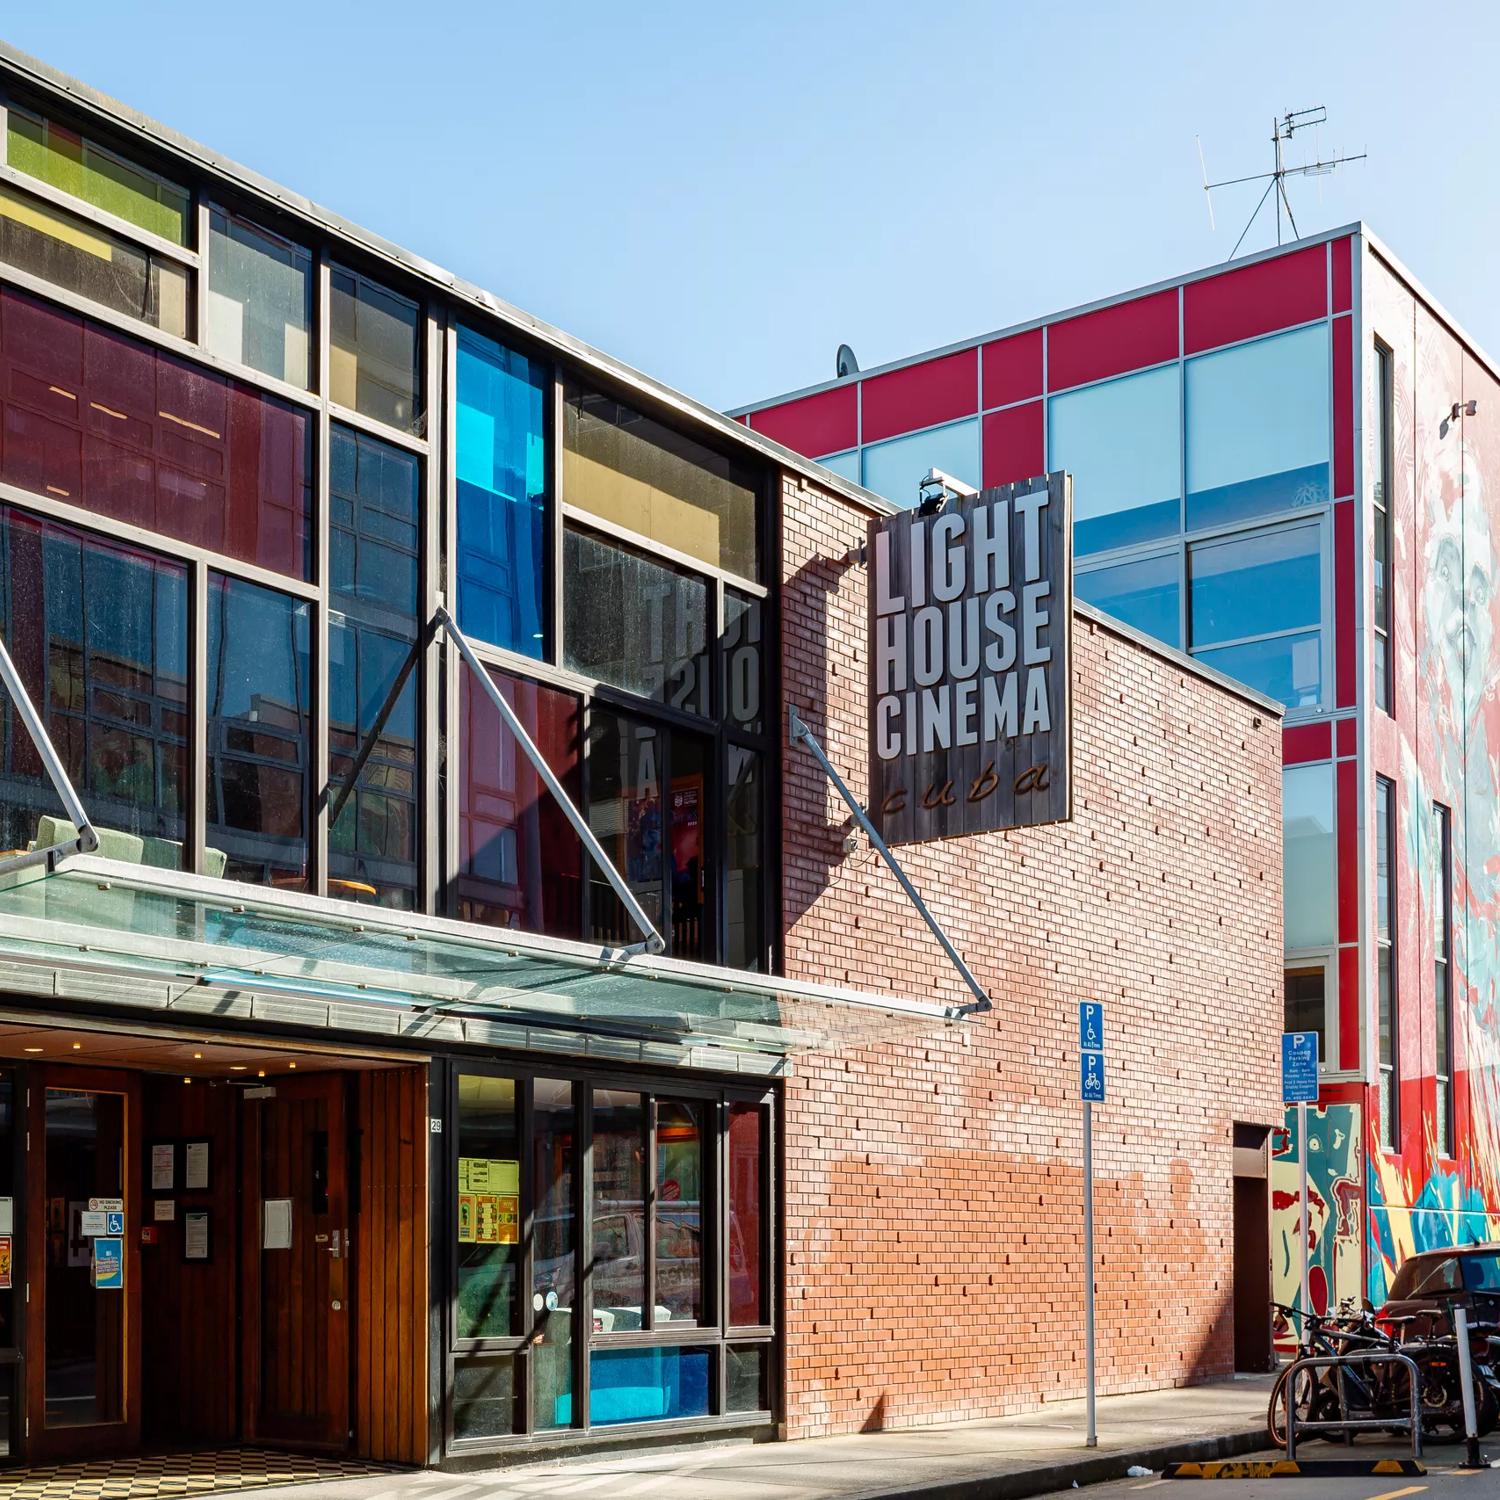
(165, 1476)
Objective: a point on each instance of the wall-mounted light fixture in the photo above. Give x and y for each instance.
(935, 489)
(1463, 409)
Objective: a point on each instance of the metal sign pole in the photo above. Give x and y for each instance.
(1306, 1215)
(1092, 1441)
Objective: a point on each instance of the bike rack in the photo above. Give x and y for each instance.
(1338, 1363)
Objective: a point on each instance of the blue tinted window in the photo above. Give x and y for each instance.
(1121, 442)
(845, 465)
(373, 498)
(1286, 667)
(1254, 585)
(1310, 856)
(1257, 428)
(502, 488)
(647, 1385)
(1145, 594)
(895, 469)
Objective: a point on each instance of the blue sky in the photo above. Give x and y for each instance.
(721, 195)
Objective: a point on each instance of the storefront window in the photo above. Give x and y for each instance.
(502, 467)
(1257, 428)
(618, 1264)
(1311, 885)
(484, 1398)
(624, 811)
(679, 1211)
(129, 432)
(747, 1184)
(258, 783)
(98, 633)
(488, 1214)
(259, 299)
(747, 1378)
(373, 348)
(744, 872)
(83, 258)
(742, 662)
(1146, 594)
(687, 853)
(632, 471)
(648, 1385)
(555, 1272)
(896, 468)
(636, 624)
(521, 864)
(1122, 443)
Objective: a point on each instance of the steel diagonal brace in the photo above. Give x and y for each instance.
(654, 942)
(799, 734)
(87, 840)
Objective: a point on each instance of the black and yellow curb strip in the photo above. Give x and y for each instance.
(1285, 1468)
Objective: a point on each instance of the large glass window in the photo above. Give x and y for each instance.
(259, 755)
(130, 432)
(373, 350)
(98, 633)
(679, 1212)
(742, 661)
(744, 873)
(502, 494)
(1258, 428)
(1122, 443)
(1255, 610)
(617, 1267)
(374, 491)
(259, 299)
(632, 471)
(1311, 886)
(1442, 972)
(896, 468)
(748, 1144)
(488, 1210)
(845, 465)
(76, 164)
(81, 257)
(1385, 399)
(1146, 593)
(1306, 1007)
(521, 864)
(636, 624)
(1388, 1012)
(554, 1274)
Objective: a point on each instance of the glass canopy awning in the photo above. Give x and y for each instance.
(109, 917)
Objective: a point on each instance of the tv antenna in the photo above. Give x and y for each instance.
(1282, 131)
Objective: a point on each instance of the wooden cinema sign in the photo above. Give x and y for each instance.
(971, 612)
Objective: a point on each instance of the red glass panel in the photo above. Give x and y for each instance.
(1301, 743)
(937, 390)
(1014, 448)
(130, 432)
(1275, 293)
(747, 1145)
(1011, 369)
(521, 863)
(827, 422)
(1111, 340)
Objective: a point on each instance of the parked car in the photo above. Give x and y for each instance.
(1431, 1282)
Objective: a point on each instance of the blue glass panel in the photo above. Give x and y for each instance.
(895, 468)
(1253, 585)
(1121, 441)
(1145, 594)
(502, 486)
(845, 465)
(647, 1385)
(1287, 667)
(1258, 428)
(1310, 858)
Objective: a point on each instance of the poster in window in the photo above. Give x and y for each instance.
(484, 1174)
(497, 1219)
(466, 1226)
(5, 1263)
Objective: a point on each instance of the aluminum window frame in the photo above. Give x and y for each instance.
(1388, 1069)
(1326, 959)
(1380, 508)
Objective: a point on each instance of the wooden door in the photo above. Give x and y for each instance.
(84, 1289)
(296, 1264)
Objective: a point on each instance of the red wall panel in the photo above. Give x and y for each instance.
(1346, 774)
(938, 390)
(1271, 294)
(1011, 369)
(1348, 733)
(1112, 340)
(1349, 1008)
(1343, 275)
(1013, 444)
(1343, 603)
(1305, 742)
(815, 425)
(1343, 406)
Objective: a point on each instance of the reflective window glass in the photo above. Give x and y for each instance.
(747, 1378)
(373, 348)
(259, 299)
(1310, 888)
(748, 1144)
(98, 633)
(258, 784)
(1122, 443)
(1146, 594)
(633, 471)
(1253, 585)
(618, 1263)
(488, 1208)
(624, 811)
(744, 873)
(687, 847)
(635, 623)
(1285, 667)
(554, 1271)
(485, 1398)
(742, 661)
(678, 1212)
(895, 468)
(74, 163)
(374, 518)
(1258, 420)
(83, 258)
(648, 1385)
(845, 465)
(521, 864)
(130, 432)
(1306, 1007)
(501, 460)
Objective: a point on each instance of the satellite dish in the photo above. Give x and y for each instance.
(847, 364)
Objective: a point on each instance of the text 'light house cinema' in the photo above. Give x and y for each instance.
(1290, 468)
(448, 1009)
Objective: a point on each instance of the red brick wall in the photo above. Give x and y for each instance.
(933, 1181)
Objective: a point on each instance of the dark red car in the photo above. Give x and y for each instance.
(1431, 1282)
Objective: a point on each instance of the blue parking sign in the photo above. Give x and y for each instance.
(1090, 1026)
(1091, 1077)
(1299, 1067)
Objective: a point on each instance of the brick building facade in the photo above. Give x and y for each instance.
(933, 1182)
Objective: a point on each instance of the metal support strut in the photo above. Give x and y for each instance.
(87, 840)
(654, 943)
(799, 734)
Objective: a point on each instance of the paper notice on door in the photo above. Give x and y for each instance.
(195, 1235)
(90, 1224)
(276, 1224)
(163, 1167)
(195, 1166)
(166, 1208)
(481, 1174)
(7, 1215)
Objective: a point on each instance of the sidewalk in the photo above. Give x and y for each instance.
(1003, 1457)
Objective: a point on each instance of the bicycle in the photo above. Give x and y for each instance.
(1317, 1393)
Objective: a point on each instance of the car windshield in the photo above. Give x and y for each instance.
(1482, 1273)
(1424, 1278)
